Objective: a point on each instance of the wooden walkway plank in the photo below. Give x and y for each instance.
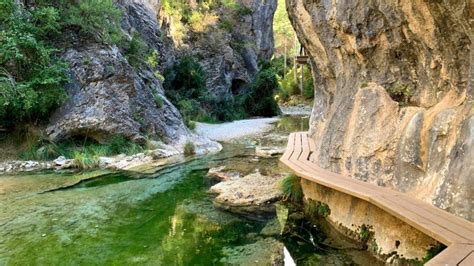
(467, 227)
(418, 221)
(457, 225)
(447, 228)
(469, 260)
(341, 185)
(297, 148)
(348, 185)
(289, 148)
(305, 146)
(455, 254)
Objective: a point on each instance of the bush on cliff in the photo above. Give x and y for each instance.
(95, 19)
(185, 86)
(31, 76)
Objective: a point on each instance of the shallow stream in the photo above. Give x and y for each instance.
(160, 218)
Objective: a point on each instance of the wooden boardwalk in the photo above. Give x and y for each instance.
(456, 233)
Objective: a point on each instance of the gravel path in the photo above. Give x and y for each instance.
(235, 130)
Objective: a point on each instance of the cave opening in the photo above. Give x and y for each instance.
(238, 86)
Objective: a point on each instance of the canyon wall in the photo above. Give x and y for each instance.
(229, 41)
(109, 95)
(394, 94)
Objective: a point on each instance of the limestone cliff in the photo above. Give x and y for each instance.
(394, 94)
(109, 96)
(228, 41)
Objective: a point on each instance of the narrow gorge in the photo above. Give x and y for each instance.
(236, 132)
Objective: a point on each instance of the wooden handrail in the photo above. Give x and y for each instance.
(456, 233)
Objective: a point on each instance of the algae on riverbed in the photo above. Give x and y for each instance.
(160, 218)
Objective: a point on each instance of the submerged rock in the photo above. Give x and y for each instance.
(267, 251)
(268, 152)
(220, 174)
(272, 229)
(252, 196)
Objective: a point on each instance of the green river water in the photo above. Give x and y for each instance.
(161, 218)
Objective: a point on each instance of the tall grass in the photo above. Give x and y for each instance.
(86, 160)
(291, 188)
(189, 148)
(86, 153)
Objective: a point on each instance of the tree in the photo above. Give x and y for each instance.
(284, 34)
(31, 77)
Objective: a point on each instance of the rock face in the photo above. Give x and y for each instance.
(394, 94)
(107, 96)
(391, 236)
(229, 44)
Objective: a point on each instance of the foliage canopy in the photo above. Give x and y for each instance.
(32, 77)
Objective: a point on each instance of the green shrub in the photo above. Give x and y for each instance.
(291, 188)
(120, 144)
(99, 19)
(317, 209)
(158, 101)
(85, 160)
(226, 24)
(365, 233)
(186, 80)
(244, 11)
(135, 51)
(260, 101)
(191, 124)
(278, 65)
(40, 151)
(230, 4)
(290, 87)
(38, 147)
(152, 59)
(185, 86)
(31, 77)
(400, 93)
(189, 148)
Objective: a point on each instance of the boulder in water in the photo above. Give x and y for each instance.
(252, 196)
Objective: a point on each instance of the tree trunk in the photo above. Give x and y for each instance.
(301, 80)
(285, 56)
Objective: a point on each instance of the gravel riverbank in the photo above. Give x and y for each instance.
(235, 130)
